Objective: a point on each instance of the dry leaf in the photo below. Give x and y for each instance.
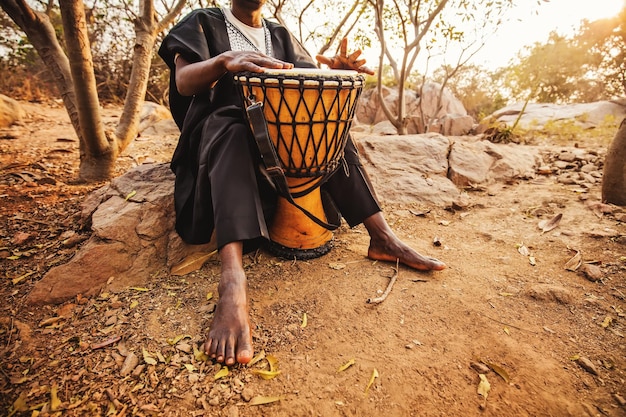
(260, 400)
(304, 321)
(191, 263)
(133, 304)
(209, 295)
(55, 403)
(336, 265)
(273, 362)
(575, 262)
(483, 386)
(371, 381)
(147, 358)
(257, 358)
(532, 261)
(221, 373)
(346, 365)
(192, 368)
(130, 195)
(21, 277)
(523, 250)
(266, 374)
(607, 321)
(199, 355)
(499, 370)
(547, 225)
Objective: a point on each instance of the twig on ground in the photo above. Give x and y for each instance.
(392, 281)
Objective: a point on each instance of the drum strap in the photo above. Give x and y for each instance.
(275, 172)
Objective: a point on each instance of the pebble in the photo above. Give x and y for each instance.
(247, 394)
(592, 272)
(587, 365)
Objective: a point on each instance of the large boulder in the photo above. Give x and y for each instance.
(537, 115)
(132, 220)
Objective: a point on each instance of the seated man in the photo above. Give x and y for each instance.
(219, 187)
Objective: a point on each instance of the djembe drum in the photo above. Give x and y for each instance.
(300, 119)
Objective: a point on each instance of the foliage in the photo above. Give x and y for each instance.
(112, 36)
(588, 66)
(476, 87)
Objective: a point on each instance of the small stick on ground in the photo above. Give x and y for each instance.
(392, 281)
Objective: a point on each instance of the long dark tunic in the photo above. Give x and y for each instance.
(218, 184)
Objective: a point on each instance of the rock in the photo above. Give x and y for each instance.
(550, 292)
(592, 272)
(536, 115)
(10, 111)
(133, 236)
(587, 365)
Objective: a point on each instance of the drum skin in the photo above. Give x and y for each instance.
(308, 114)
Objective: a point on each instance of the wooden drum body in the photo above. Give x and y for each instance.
(308, 113)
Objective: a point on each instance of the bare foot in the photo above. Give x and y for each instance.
(385, 246)
(230, 337)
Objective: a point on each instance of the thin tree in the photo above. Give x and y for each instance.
(73, 74)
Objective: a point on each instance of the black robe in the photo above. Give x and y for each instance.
(217, 183)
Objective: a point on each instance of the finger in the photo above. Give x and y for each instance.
(323, 60)
(359, 63)
(343, 49)
(366, 70)
(354, 55)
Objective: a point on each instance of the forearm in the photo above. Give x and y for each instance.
(200, 76)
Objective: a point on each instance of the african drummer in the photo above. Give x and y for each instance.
(219, 187)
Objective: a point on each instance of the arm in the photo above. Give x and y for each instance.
(194, 78)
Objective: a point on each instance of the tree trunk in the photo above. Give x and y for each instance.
(614, 177)
(98, 159)
(41, 34)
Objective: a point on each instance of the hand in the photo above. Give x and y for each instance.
(252, 61)
(345, 61)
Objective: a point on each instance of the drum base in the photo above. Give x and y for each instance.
(299, 254)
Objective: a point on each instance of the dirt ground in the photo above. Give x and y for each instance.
(513, 326)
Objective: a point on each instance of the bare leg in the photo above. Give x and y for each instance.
(385, 246)
(230, 336)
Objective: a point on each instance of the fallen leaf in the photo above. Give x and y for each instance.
(209, 295)
(273, 362)
(141, 289)
(174, 340)
(133, 304)
(221, 373)
(575, 262)
(499, 370)
(547, 225)
(506, 330)
(130, 195)
(346, 365)
(199, 355)
(532, 261)
(304, 321)
(19, 279)
(607, 321)
(19, 404)
(266, 374)
(55, 403)
(523, 250)
(147, 358)
(336, 265)
(191, 263)
(257, 358)
(483, 386)
(371, 381)
(192, 368)
(260, 400)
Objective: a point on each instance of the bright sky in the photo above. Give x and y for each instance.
(528, 27)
